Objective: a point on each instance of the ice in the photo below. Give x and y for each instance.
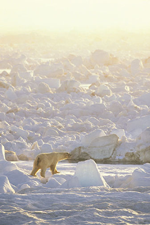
(4, 85)
(10, 156)
(5, 186)
(52, 82)
(10, 94)
(46, 148)
(43, 88)
(24, 186)
(54, 70)
(103, 90)
(139, 178)
(144, 136)
(15, 176)
(69, 86)
(88, 174)
(116, 107)
(93, 79)
(72, 182)
(19, 132)
(19, 67)
(52, 183)
(2, 116)
(139, 123)
(143, 99)
(100, 57)
(88, 138)
(136, 66)
(2, 153)
(119, 132)
(51, 132)
(101, 147)
(5, 166)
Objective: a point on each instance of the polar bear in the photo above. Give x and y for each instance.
(45, 160)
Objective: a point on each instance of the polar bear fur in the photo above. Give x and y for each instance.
(48, 160)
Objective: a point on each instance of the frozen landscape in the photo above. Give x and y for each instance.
(86, 95)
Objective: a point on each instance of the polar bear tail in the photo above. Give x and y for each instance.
(38, 161)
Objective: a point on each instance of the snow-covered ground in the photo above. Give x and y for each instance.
(116, 194)
(88, 96)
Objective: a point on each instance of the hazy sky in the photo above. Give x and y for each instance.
(68, 14)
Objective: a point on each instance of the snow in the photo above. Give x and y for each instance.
(83, 192)
(88, 98)
(5, 186)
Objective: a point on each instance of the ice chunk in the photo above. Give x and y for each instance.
(51, 132)
(17, 177)
(54, 70)
(144, 136)
(68, 66)
(143, 146)
(2, 116)
(69, 85)
(20, 132)
(26, 75)
(44, 88)
(2, 153)
(11, 156)
(52, 82)
(139, 178)
(72, 182)
(76, 60)
(102, 147)
(100, 57)
(24, 186)
(18, 68)
(5, 186)
(141, 122)
(16, 80)
(6, 166)
(124, 73)
(10, 94)
(46, 148)
(88, 174)
(136, 66)
(115, 107)
(99, 149)
(125, 150)
(143, 99)
(103, 90)
(143, 152)
(93, 78)
(88, 138)
(4, 85)
(119, 132)
(52, 183)
(43, 69)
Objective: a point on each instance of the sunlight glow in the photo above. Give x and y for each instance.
(74, 14)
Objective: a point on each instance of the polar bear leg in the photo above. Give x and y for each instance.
(34, 171)
(43, 170)
(53, 169)
(56, 171)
